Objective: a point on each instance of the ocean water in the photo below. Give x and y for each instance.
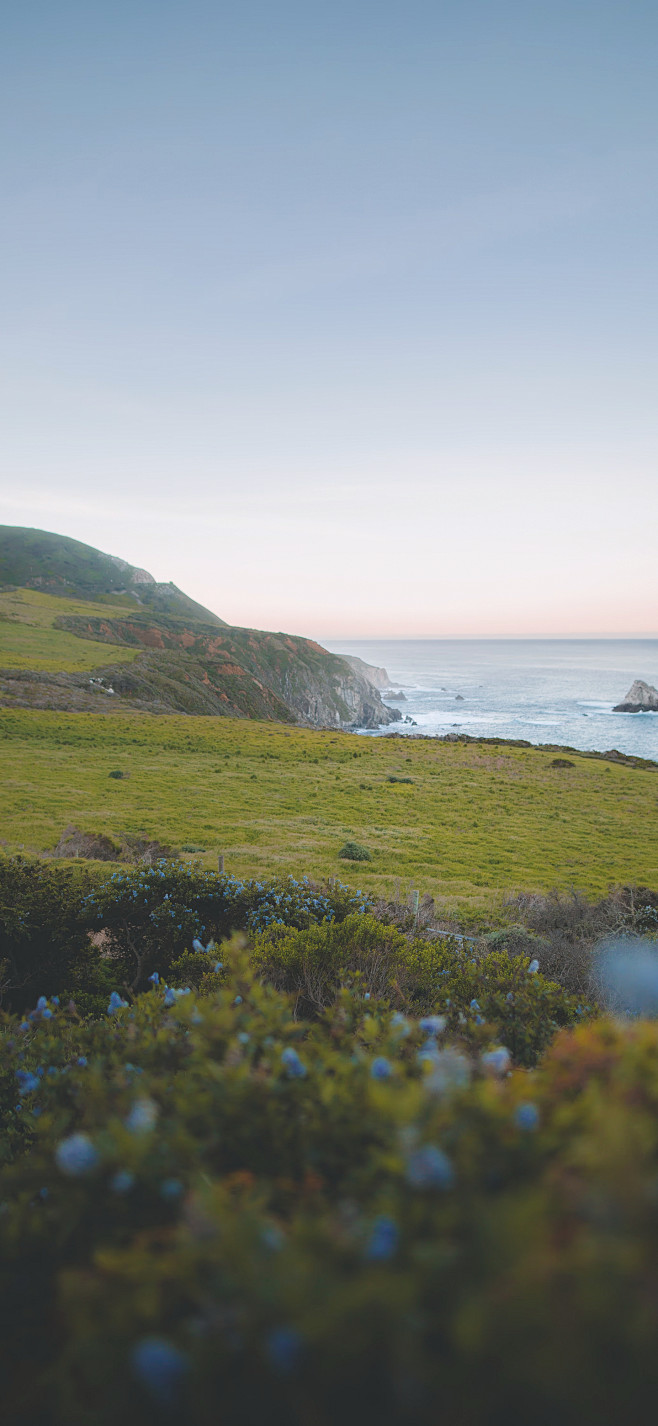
(545, 690)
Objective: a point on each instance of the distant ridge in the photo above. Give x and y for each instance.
(56, 564)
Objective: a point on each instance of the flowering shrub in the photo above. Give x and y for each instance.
(478, 996)
(152, 915)
(214, 1212)
(139, 920)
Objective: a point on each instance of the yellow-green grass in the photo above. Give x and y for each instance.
(476, 822)
(28, 640)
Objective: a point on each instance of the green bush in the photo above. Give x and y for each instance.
(214, 1212)
(355, 852)
(44, 942)
(150, 916)
(477, 997)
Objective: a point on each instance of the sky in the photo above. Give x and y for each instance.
(342, 317)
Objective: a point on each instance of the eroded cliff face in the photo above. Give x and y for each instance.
(186, 666)
(373, 675)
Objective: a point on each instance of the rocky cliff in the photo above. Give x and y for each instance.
(641, 698)
(376, 677)
(187, 667)
(188, 661)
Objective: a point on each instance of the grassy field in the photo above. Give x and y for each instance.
(29, 641)
(475, 821)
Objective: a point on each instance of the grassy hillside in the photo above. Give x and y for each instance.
(56, 564)
(474, 821)
(177, 665)
(29, 640)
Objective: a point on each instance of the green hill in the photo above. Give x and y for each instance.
(68, 611)
(55, 564)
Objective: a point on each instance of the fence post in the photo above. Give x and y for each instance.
(220, 862)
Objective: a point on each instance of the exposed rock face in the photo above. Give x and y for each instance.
(377, 677)
(641, 698)
(188, 667)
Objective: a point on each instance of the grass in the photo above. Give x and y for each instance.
(29, 641)
(475, 821)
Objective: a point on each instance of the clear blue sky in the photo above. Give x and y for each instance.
(342, 316)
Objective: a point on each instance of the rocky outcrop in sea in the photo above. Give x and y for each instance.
(641, 698)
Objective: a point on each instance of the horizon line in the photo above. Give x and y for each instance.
(486, 638)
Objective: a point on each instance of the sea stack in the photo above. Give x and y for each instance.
(641, 698)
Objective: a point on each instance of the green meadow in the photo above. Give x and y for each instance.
(28, 639)
(474, 822)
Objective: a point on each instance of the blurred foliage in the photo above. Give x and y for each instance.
(215, 1212)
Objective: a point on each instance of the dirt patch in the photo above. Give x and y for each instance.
(99, 848)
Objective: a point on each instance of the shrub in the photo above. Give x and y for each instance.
(492, 994)
(570, 926)
(151, 916)
(44, 944)
(217, 1213)
(355, 852)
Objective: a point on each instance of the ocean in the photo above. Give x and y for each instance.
(544, 690)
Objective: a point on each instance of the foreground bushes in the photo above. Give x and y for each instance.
(215, 1212)
(139, 921)
(474, 995)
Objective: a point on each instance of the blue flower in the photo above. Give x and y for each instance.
(155, 978)
(27, 1082)
(170, 998)
(433, 1024)
(198, 945)
(283, 1348)
(76, 1155)
(42, 1002)
(474, 1005)
(627, 971)
(271, 1237)
(381, 1068)
(400, 1024)
(497, 1061)
(82, 1061)
(293, 1064)
(171, 1189)
(161, 1368)
(238, 1000)
(533, 967)
(526, 1116)
(429, 1167)
(122, 1181)
(383, 1241)
(142, 1116)
(116, 1003)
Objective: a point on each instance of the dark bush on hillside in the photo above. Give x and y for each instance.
(355, 852)
(214, 1213)
(44, 945)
